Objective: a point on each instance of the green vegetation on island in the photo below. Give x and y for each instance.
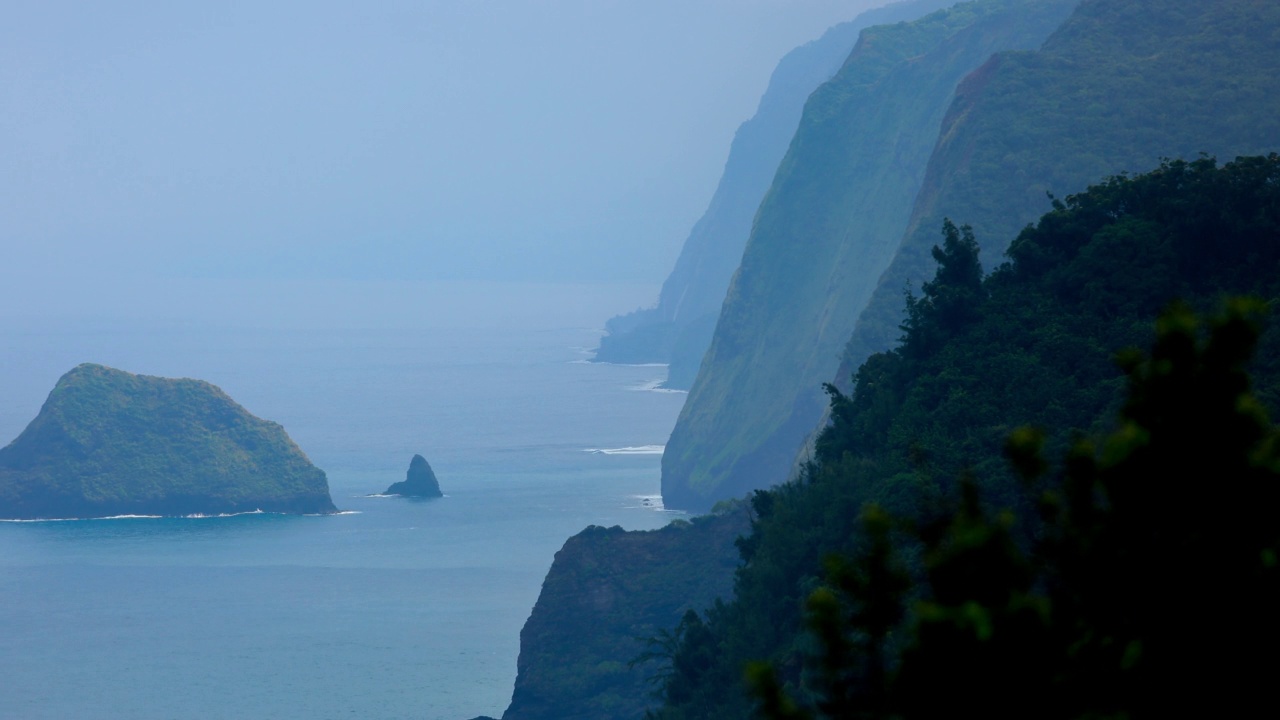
(108, 442)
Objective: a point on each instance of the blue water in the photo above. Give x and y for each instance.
(395, 609)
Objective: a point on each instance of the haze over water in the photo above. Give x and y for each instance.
(393, 229)
(400, 609)
(530, 141)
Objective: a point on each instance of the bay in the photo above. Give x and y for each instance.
(394, 609)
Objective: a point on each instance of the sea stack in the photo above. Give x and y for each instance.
(109, 442)
(418, 482)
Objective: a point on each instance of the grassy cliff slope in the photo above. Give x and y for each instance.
(678, 330)
(825, 232)
(1121, 85)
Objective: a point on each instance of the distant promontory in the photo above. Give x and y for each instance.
(109, 442)
(420, 481)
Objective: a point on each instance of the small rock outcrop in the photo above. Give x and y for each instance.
(418, 482)
(109, 442)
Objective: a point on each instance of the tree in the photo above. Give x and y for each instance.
(1151, 585)
(950, 300)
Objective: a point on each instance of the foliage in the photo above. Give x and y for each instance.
(109, 442)
(1032, 347)
(1145, 593)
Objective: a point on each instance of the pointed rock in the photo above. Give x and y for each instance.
(418, 482)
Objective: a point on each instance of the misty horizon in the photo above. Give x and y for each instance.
(152, 149)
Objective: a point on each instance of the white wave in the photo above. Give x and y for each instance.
(203, 516)
(77, 519)
(653, 502)
(192, 516)
(655, 386)
(635, 450)
(384, 495)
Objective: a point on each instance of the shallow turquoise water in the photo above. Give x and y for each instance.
(396, 609)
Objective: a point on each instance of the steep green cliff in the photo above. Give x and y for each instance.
(606, 591)
(108, 442)
(825, 232)
(678, 329)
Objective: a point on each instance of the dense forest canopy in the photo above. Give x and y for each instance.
(1181, 487)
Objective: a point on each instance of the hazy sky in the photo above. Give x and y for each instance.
(521, 140)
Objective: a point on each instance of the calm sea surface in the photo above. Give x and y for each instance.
(396, 608)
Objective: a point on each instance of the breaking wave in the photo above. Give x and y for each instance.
(635, 450)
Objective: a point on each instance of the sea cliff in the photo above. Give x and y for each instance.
(827, 229)
(678, 329)
(607, 591)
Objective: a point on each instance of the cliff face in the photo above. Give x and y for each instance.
(1121, 85)
(678, 330)
(108, 442)
(826, 230)
(606, 589)
(1118, 85)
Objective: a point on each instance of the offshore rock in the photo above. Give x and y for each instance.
(420, 481)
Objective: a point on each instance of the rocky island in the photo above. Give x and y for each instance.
(420, 481)
(109, 442)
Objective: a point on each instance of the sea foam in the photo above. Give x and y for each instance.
(635, 450)
(656, 386)
(192, 516)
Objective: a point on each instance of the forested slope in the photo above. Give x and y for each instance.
(1031, 345)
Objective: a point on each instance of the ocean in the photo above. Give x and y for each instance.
(396, 608)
